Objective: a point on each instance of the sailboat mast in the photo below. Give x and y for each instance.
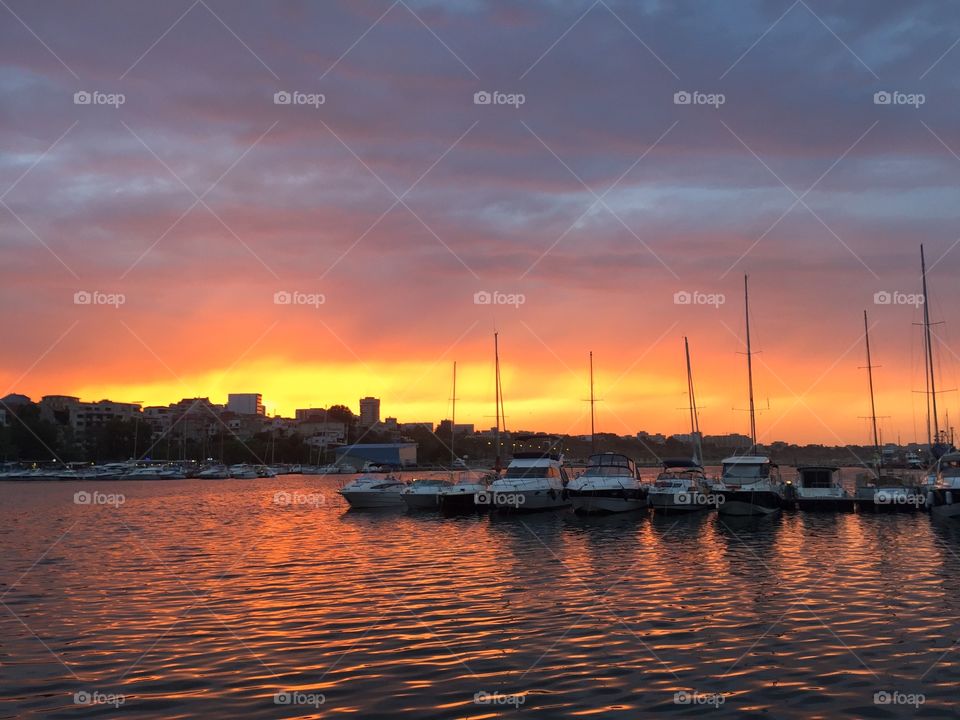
(694, 419)
(496, 400)
(929, 352)
(593, 441)
(873, 407)
(453, 414)
(753, 419)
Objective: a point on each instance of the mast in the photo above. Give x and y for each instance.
(873, 407)
(753, 419)
(496, 399)
(593, 441)
(453, 420)
(694, 419)
(928, 345)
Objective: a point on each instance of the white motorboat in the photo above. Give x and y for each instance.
(818, 487)
(214, 472)
(424, 493)
(749, 485)
(265, 471)
(943, 499)
(243, 472)
(532, 481)
(374, 491)
(888, 493)
(610, 484)
(682, 487)
(156, 472)
(461, 496)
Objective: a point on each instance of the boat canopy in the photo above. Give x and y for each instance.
(610, 459)
(816, 476)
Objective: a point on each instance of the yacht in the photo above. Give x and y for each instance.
(374, 491)
(532, 481)
(214, 472)
(424, 493)
(887, 493)
(943, 499)
(265, 472)
(462, 496)
(243, 472)
(609, 484)
(156, 472)
(749, 485)
(682, 487)
(817, 487)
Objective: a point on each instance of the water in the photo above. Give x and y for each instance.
(206, 598)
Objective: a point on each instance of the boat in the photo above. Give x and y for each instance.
(879, 491)
(424, 493)
(461, 496)
(682, 487)
(532, 481)
(243, 472)
(214, 472)
(943, 499)
(818, 487)
(749, 484)
(938, 441)
(888, 494)
(156, 472)
(265, 472)
(610, 484)
(374, 491)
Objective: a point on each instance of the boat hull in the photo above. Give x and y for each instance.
(367, 499)
(528, 500)
(749, 502)
(674, 503)
(944, 502)
(603, 502)
(422, 501)
(826, 504)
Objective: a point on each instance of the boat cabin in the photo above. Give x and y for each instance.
(817, 477)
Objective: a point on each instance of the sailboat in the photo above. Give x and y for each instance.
(682, 484)
(882, 492)
(469, 493)
(425, 493)
(610, 483)
(750, 484)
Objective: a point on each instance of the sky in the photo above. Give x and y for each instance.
(170, 227)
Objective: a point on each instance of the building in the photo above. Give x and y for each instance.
(245, 403)
(731, 440)
(369, 411)
(411, 426)
(85, 417)
(395, 454)
(320, 433)
(307, 413)
(646, 437)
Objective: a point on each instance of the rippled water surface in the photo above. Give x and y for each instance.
(207, 598)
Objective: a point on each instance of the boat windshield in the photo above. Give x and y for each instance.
(745, 471)
(608, 471)
(538, 471)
